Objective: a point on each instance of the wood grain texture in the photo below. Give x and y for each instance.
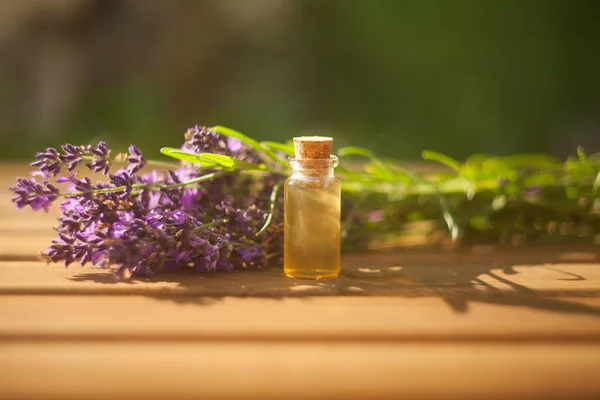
(96, 318)
(297, 371)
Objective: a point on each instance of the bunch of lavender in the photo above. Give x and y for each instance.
(218, 209)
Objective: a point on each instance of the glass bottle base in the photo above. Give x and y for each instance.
(314, 275)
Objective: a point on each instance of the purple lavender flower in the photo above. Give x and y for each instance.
(51, 161)
(72, 204)
(101, 162)
(252, 256)
(208, 261)
(84, 186)
(234, 144)
(244, 222)
(83, 252)
(61, 249)
(136, 160)
(67, 179)
(376, 216)
(72, 156)
(200, 139)
(250, 252)
(188, 199)
(48, 162)
(31, 193)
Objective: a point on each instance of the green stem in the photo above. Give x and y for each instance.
(199, 179)
(150, 185)
(164, 164)
(273, 200)
(454, 228)
(347, 223)
(156, 163)
(210, 224)
(273, 255)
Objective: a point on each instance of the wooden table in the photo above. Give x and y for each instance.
(475, 323)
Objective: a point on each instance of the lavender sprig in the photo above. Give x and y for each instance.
(51, 161)
(187, 217)
(30, 193)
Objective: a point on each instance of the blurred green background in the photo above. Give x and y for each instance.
(461, 76)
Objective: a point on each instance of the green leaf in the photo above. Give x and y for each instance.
(572, 192)
(187, 156)
(512, 188)
(499, 202)
(594, 158)
(286, 148)
(471, 172)
(355, 176)
(582, 156)
(456, 232)
(380, 172)
(405, 173)
(248, 141)
(355, 151)
(238, 135)
(478, 222)
(209, 160)
(597, 183)
(477, 160)
(223, 161)
(441, 158)
(377, 167)
(572, 164)
(230, 162)
(480, 166)
(540, 179)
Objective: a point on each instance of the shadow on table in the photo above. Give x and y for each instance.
(459, 286)
(459, 281)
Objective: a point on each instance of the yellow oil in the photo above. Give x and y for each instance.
(312, 228)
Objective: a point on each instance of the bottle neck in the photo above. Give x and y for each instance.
(309, 168)
(313, 173)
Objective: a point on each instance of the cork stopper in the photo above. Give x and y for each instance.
(313, 147)
(314, 153)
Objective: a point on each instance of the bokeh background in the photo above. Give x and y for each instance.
(456, 76)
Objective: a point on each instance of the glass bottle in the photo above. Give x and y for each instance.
(312, 203)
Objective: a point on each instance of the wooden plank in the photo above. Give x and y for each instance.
(298, 319)
(356, 279)
(25, 220)
(23, 233)
(275, 371)
(24, 245)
